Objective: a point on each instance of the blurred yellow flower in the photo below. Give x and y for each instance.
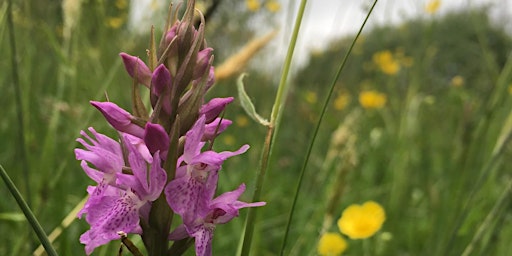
(386, 62)
(273, 6)
(115, 22)
(121, 4)
(362, 221)
(510, 89)
(372, 99)
(241, 121)
(341, 101)
(432, 6)
(311, 97)
(331, 244)
(253, 5)
(228, 139)
(457, 81)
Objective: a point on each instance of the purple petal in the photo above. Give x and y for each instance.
(180, 232)
(102, 152)
(214, 128)
(119, 118)
(182, 195)
(203, 240)
(193, 139)
(137, 69)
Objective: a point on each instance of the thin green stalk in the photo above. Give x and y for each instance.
(317, 128)
(19, 106)
(490, 217)
(275, 118)
(28, 213)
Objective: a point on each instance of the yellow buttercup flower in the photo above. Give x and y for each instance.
(311, 97)
(331, 244)
(273, 6)
(241, 121)
(228, 139)
(362, 221)
(432, 6)
(386, 62)
(115, 22)
(457, 81)
(341, 101)
(372, 99)
(121, 4)
(253, 5)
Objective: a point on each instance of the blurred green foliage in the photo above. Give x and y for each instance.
(420, 156)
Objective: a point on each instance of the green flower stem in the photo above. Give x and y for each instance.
(28, 213)
(275, 118)
(312, 142)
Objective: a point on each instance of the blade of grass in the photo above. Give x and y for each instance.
(275, 118)
(28, 213)
(19, 106)
(317, 127)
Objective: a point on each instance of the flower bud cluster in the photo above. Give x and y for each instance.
(161, 164)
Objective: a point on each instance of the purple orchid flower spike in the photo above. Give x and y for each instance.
(137, 69)
(217, 211)
(121, 207)
(119, 118)
(187, 191)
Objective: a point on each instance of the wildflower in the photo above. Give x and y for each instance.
(273, 6)
(160, 152)
(253, 5)
(386, 62)
(120, 201)
(432, 6)
(372, 99)
(362, 221)
(201, 224)
(457, 81)
(185, 194)
(331, 244)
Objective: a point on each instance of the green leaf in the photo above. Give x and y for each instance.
(247, 103)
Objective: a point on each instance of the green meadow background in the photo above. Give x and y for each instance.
(436, 155)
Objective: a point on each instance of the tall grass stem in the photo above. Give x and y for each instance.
(19, 105)
(275, 118)
(317, 127)
(28, 213)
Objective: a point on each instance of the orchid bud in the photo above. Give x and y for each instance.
(160, 80)
(119, 118)
(214, 107)
(137, 69)
(156, 139)
(203, 62)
